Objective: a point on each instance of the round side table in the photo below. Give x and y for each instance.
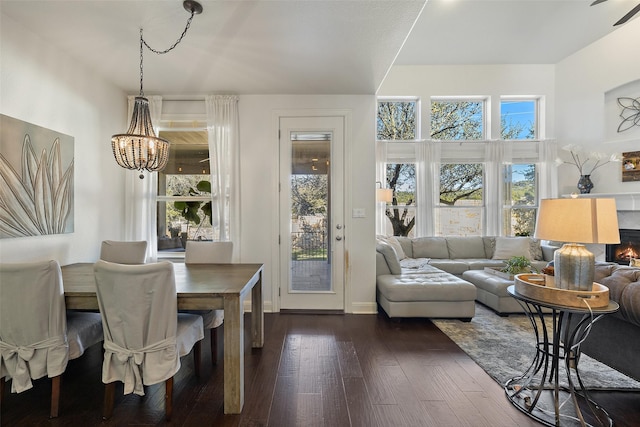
(538, 392)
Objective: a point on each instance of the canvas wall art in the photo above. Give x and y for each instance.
(631, 166)
(36, 180)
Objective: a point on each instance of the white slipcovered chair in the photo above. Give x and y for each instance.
(37, 335)
(144, 336)
(203, 252)
(122, 252)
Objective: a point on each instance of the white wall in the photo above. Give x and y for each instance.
(259, 188)
(426, 81)
(43, 86)
(584, 115)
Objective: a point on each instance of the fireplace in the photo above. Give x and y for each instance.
(629, 247)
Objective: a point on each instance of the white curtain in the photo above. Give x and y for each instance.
(548, 152)
(428, 157)
(498, 154)
(223, 131)
(140, 194)
(381, 179)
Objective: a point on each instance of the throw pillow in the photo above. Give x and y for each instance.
(634, 262)
(536, 249)
(507, 247)
(395, 243)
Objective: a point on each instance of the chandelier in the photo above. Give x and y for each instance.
(140, 149)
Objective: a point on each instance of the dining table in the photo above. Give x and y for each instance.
(199, 287)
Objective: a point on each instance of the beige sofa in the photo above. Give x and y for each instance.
(422, 277)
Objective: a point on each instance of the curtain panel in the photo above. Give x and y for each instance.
(223, 133)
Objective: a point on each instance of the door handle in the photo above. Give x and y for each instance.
(338, 227)
(338, 238)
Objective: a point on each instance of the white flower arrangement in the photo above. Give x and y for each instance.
(587, 162)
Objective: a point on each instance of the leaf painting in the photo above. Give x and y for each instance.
(37, 199)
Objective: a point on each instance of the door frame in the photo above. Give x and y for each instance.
(276, 261)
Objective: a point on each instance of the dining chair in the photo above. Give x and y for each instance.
(124, 252)
(203, 252)
(37, 335)
(144, 335)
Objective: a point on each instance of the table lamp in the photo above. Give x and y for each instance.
(384, 194)
(579, 220)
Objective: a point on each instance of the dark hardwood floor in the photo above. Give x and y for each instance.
(314, 370)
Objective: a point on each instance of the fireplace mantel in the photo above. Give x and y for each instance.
(624, 201)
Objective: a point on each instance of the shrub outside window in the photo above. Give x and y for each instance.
(522, 199)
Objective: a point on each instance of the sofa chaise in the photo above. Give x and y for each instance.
(424, 276)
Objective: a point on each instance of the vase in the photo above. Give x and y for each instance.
(584, 184)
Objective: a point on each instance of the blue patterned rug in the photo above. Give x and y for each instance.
(504, 347)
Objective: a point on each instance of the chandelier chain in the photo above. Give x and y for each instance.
(160, 52)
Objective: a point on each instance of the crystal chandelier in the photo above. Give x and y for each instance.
(140, 149)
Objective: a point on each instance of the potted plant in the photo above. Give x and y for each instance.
(190, 210)
(517, 265)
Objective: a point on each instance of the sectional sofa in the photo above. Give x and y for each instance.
(422, 277)
(615, 338)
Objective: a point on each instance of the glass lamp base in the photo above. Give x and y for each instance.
(574, 267)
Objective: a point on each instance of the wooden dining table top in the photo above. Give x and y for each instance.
(190, 278)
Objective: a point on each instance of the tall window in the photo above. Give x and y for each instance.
(184, 191)
(397, 121)
(457, 120)
(522, 199)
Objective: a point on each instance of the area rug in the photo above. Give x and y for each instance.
(504, 347)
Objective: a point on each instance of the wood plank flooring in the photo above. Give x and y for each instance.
(314, 370)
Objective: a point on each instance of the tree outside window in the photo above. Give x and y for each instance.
(461, 204)
(396, 120)
(457, 120)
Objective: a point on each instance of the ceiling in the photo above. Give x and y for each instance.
(307, 47)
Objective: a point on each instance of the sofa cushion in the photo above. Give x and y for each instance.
(453, 266)
(430, 247)
(389, 256)
(507, 247)
(407, 246)
(436, 286)
(393, 241)
(624, 288)
(466, 247)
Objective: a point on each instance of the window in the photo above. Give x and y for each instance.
(401, 178)
(457, 120)
(522, 200)
(184, 191)
(397, 120)
(465, 182)
(518, 118)
(460, 208)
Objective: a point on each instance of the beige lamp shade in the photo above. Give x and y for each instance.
(384, 195)
(583, 220)
(577, 221)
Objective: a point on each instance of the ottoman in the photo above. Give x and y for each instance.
(433, 294)
(492, 291)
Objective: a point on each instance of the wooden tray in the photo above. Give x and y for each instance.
(542, 288)
(496, 272)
